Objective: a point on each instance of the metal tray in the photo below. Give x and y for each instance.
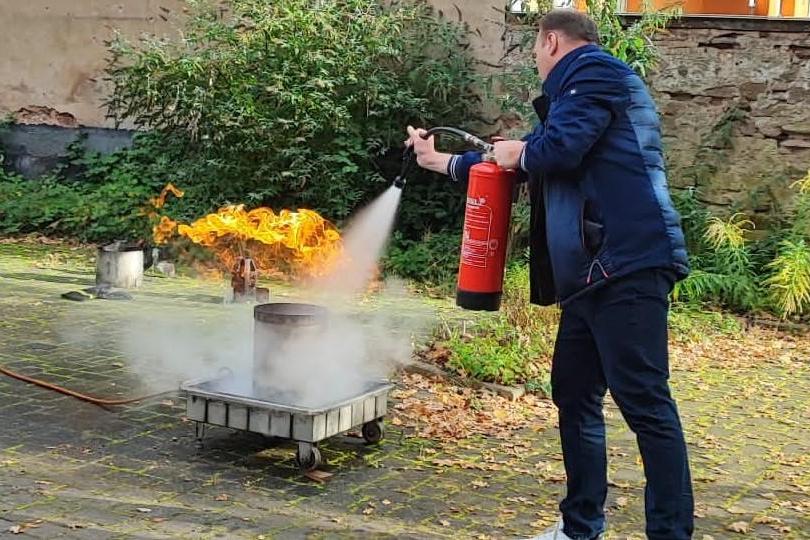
(276, 418)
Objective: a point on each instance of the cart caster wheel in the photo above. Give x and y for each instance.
(308, 462)
(374, 431)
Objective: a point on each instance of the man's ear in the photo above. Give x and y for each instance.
(553, 43)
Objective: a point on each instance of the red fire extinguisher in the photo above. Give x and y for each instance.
(486, 226)
(486, 237)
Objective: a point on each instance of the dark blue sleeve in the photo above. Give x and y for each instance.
(576, 121)
(459, 166)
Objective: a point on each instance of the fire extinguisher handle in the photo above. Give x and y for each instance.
(408, 159)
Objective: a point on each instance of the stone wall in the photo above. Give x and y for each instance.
(734, 95)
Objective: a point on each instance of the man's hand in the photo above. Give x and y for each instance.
(507, 153)
(425, 149)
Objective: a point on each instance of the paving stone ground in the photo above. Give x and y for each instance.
(73, 470)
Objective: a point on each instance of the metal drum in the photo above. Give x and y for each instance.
(280, 332)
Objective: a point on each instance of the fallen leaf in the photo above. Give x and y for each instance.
(368, 511)
(479, 484)
(621, 502)
(444, 523)
(75, 526)
(167, 402)
(318, 476)
(222, 497)
(158, 519)
(707, 537)
(736, 510)
(43, 482)
(144, 510)
(117, 364)
(386, 502)
(15, 529)
(738, 527)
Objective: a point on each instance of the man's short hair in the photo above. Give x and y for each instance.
(574, 24)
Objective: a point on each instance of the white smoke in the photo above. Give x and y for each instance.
(166, 345)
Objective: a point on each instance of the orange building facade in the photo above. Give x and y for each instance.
(761, 8)
(757, 8)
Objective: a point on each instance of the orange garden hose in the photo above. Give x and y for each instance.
(72, 393)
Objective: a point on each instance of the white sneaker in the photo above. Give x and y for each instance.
(555, 533)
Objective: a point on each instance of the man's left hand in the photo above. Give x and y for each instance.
(507, 153)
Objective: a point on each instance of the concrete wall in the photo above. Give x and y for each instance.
(52, 54)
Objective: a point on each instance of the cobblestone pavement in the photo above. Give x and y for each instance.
(72, 470)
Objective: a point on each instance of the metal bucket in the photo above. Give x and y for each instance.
(279, 330)
(120, 265)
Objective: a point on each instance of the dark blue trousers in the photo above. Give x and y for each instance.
(615, 338)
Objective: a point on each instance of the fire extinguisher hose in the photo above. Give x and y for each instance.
(478, 143)
(66, 391)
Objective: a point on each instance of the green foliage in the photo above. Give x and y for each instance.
(725, 273)
(278, 104)
(432, 260)
(92, 197)
(790, 282)
(292, 106)
(733, 272)
(511, 346)
(631, 44)
(694, 218)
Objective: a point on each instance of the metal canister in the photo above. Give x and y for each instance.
(280, 332)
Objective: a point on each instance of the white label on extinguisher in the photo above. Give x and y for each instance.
(477, 230)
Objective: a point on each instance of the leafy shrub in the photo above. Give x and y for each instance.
(726, 274)
(789, 280)
(730, 271)
(631, 44)
(432, 260)
(93, 197)
(511, 346)
(290, 106)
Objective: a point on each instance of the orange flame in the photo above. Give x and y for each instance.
(164, 230)
(292, 244)
(285, 244)
(159, 201)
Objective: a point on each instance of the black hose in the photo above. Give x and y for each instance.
(409, 157)
(467, 137)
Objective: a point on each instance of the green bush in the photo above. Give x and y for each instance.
(92, 197)
(512, 346)
(432, 260)
(291, 106)
(278, 104)
(729, 270)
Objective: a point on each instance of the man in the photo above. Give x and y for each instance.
(607, 245)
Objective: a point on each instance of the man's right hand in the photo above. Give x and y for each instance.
(425, 149)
